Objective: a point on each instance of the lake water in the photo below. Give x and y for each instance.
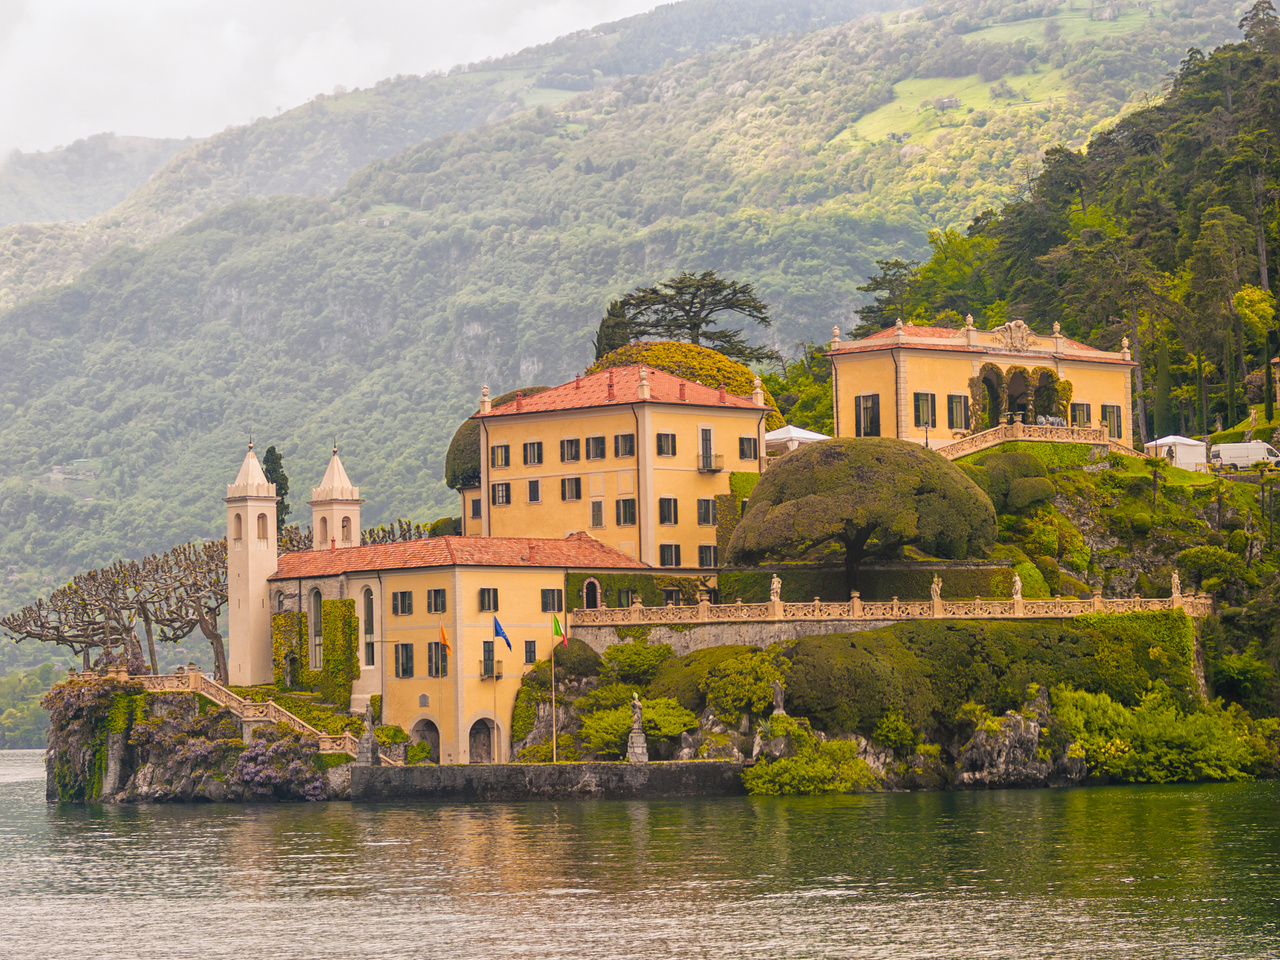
(1177, 872)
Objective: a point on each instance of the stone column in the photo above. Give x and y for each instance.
(855, 605)
(1098, 605)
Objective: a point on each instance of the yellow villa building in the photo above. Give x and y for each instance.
(424, 610)
(935, 385)
(632, 455)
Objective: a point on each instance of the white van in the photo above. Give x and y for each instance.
(1242, 456)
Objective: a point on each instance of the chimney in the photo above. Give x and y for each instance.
(577, 381)
(519, 400)
(722, 394)
(642, 392)
(485, 404)
(611, 396)
(757, 394)
(682, 396)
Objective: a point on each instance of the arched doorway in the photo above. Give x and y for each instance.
(480, 742)
(425, 731)
(591, 594)
(991, 408)
(1018, 387)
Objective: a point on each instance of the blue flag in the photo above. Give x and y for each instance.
(499, 632)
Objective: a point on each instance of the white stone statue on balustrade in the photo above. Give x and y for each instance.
(775, 589)
(1176, 585)
(935, 588)
(1017, 587)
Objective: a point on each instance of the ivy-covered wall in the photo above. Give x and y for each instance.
(802, 584)
(648, 586)
(340, 664)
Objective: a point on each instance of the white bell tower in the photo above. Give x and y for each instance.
(251, 561)
(335, 509)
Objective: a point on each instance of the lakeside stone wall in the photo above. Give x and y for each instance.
(686, 639)
(545, 781)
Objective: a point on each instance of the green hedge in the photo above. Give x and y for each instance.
(1050, 454)
(648, 586)
(926, 670)
(680, 678)
(802, 584)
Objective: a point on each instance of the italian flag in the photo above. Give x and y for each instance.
(557, 632)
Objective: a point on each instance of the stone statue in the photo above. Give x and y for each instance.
(1017, 587)
(637, 711)
(1217, 423)
(777, 698)
(935, 588)
(1176, 585)
(1253, 418)
(637, 746)
(775, 589)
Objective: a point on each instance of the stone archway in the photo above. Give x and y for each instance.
(591, 594)
(480, 742)
(425, 731)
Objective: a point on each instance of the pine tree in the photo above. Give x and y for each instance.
(615, 330)
(273, 467)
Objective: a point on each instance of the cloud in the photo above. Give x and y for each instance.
(177, 68)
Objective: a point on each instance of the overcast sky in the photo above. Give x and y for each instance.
(176, 68)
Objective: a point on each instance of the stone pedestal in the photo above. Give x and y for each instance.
(637, 748)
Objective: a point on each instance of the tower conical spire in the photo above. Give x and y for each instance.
(251, 481)
(336, 485)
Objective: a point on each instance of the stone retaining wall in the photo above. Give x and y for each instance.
(687, 639)
(508, 782)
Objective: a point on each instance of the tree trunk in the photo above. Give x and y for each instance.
(151, 642)
(210, 630)
(1139, 384)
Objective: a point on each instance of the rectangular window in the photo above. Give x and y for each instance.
(625, 598)
(402, 603)
(533, 453)
(437, 660)
(708, 555)
(626, 511)
(1081, 414)
(570, 450)
(499, 494)
(1111, 417)
(597, 513)
(475, 509)
(435, 601)
(957, 412)
(748, 448)
(552, 600)
(535, 491)
(666, 444)
(672, 596)
(531, 651)
(707, 512)
(624, 445)
(595, 448)
(669, 555)
(571, 488)
(866, 415)
(486, 668)
(926, 410)
(488, 599)
(667, 511)
(500, 455)
(404, 660)
(368, 654)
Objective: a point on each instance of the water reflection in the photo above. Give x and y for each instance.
(1135, 872)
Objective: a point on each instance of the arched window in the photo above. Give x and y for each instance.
(324, 532)
(368, 612)
(317, 631)
(279, 601)
(346, 529)
(262, 526)
(237, 527)
(591, 594)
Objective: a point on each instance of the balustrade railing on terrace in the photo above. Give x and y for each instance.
(1095, 436)
(1194, 605)
(195, 681)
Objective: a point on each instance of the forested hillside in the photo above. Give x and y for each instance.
(78, 181)
(488, 255)
(312, 149)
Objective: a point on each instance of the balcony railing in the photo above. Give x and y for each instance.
(490, 669)
(710, 462)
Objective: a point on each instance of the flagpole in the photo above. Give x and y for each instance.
(553, 700)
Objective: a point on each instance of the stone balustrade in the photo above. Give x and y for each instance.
(1095, 436)
(1197, 605)
(194, 680)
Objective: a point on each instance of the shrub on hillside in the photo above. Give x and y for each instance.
(680, 678)
(635, 662)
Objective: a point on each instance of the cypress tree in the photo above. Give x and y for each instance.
(1268, 378)
(1164, 392)
(273, 467)
(1231, 382)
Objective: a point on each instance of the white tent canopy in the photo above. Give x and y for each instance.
(788, 438)
(1180, 451)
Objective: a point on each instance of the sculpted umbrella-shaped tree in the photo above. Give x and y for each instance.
(872, 497)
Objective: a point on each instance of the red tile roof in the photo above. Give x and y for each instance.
(884, 340)
(576, 550)
(593, 391)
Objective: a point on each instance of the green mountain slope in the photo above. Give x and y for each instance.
(488, 255)
(79, 181)
(314, 148)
